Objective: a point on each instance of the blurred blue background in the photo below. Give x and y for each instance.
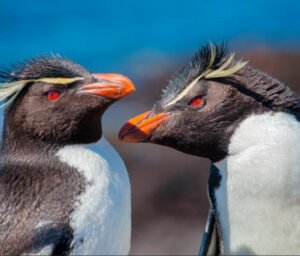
(107, 35)
(149, 41)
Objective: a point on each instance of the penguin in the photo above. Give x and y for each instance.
(58, 196)
(247, 123)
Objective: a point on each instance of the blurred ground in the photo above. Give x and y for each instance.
(168, 187)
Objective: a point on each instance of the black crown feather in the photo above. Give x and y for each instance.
(47, 69)
(43, 66)
(209, 62)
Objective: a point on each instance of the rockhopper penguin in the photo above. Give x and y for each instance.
(56, 196)
(247, 123)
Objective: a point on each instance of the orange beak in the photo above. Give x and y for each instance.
(113, 86)
(141, 127)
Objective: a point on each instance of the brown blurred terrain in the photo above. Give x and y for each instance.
(168, 187)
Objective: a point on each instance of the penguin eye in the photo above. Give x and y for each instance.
(52, 95)
(196, 101)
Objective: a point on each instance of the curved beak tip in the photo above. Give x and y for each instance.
(131, 134)
(141, 127)
(114, 86)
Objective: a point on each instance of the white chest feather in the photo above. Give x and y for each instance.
(259, 196)
(102, 217)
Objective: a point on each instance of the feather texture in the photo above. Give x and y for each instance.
(210, 62)
(47, 69)
(9, 91)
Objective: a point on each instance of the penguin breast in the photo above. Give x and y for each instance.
(101, 219)
(258, 197)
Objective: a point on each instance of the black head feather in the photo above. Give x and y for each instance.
(44, 66)
(196, 67)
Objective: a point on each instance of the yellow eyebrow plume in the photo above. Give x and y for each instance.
(11, 90)
(223, 71)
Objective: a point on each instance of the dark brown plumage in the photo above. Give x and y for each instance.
(38, 192)
(199, 114)
(205, 130)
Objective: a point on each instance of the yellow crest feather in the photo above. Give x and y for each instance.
(11, 90)
(223, 71)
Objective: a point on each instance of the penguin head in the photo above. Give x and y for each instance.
(205, 102)
(56, 100)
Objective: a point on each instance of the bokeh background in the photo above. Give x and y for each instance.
(149, 41)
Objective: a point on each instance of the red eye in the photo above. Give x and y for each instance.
(53, 95)
(195, 102)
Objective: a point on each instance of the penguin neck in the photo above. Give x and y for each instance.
(20, 137)
(15, 141)
(258, 197)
